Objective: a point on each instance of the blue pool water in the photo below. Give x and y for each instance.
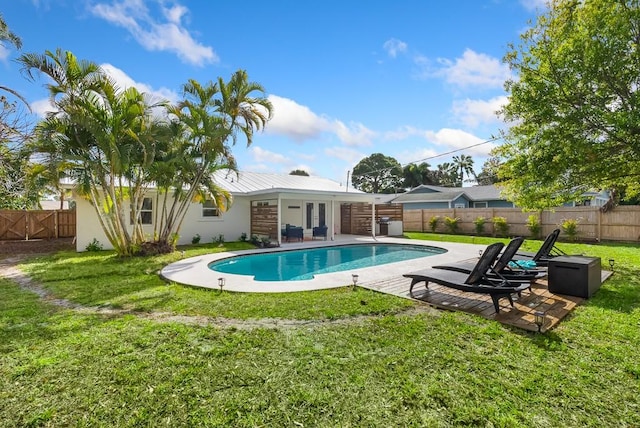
(304, 264)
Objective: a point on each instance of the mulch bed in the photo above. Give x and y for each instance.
(36, 246)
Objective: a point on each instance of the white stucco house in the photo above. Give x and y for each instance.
(262, 205)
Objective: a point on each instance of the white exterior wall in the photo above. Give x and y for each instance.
(231, 224)
(293, 216)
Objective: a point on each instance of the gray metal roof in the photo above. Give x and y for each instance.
(256, 182)
(428, 197)
(442, 194)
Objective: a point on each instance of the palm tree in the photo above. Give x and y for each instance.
(210, 119)
(102, 136)
(8, 36)
(417, 174)
(464, 164)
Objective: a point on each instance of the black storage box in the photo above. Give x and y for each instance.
(574, 275)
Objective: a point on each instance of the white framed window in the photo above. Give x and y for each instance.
(459, 206)
(146, 212)
(210, 210)
(480, 204)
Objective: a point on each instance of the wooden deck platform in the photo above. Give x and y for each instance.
(521, 315)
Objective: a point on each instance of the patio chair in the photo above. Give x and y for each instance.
(320, 232)
(477, 281)
(546, 252)
(293, 232)
(501, 268)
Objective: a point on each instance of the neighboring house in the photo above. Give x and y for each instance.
(429, 197)
(50, 204)
(259, 200)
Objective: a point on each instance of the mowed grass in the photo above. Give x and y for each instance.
(354, 359)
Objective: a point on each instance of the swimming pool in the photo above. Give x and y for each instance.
(304, 264)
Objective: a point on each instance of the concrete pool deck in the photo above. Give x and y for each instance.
(195, 271)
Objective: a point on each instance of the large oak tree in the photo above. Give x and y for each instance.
(378, 174)
(573, 104)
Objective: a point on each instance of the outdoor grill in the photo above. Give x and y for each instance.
(384, 225)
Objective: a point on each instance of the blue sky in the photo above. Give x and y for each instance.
(410, 79)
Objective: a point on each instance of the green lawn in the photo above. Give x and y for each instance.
(327, 358)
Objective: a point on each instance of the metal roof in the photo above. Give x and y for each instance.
(441, 194)
(247, 182)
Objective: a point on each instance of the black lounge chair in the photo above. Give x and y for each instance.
(546, 252)
(501, 269)
(475, 282)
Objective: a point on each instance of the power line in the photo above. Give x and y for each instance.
(434, 156)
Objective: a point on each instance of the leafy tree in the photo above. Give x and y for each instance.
(17, 191)
(446, 175)
(463, 164)
(574, 106)
(107, 136)
(489, 173)
(377, 174)
(299, 172)
(417, 174)
(209, 121)
(117, 146)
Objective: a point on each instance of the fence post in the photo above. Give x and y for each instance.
(599, 225)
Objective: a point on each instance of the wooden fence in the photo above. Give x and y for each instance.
(620, 224)
(37, 224)
(356, 218)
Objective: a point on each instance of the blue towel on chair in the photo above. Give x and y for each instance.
(522, 264)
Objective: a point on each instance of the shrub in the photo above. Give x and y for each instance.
(195, 239)
(452, 224)
(533, 224)
(479, 223)
(570, 228)
(94, 245)
(433, 223)
(219, 239)
(501, 226)
(243, 237)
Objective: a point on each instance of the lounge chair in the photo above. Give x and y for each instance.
(475, 282)
(501, 268)
(546, 252)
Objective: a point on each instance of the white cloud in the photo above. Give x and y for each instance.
(267, 157)
(343, 153)
(416, 156)
(471, 69)
(475, 69)
(299, 123)
(4, 53)
(166, 33)
(393, 47)
(41, 107)
(474, 112)
(456, 139)
(403, 133)
(124, 81)
(534, 5)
